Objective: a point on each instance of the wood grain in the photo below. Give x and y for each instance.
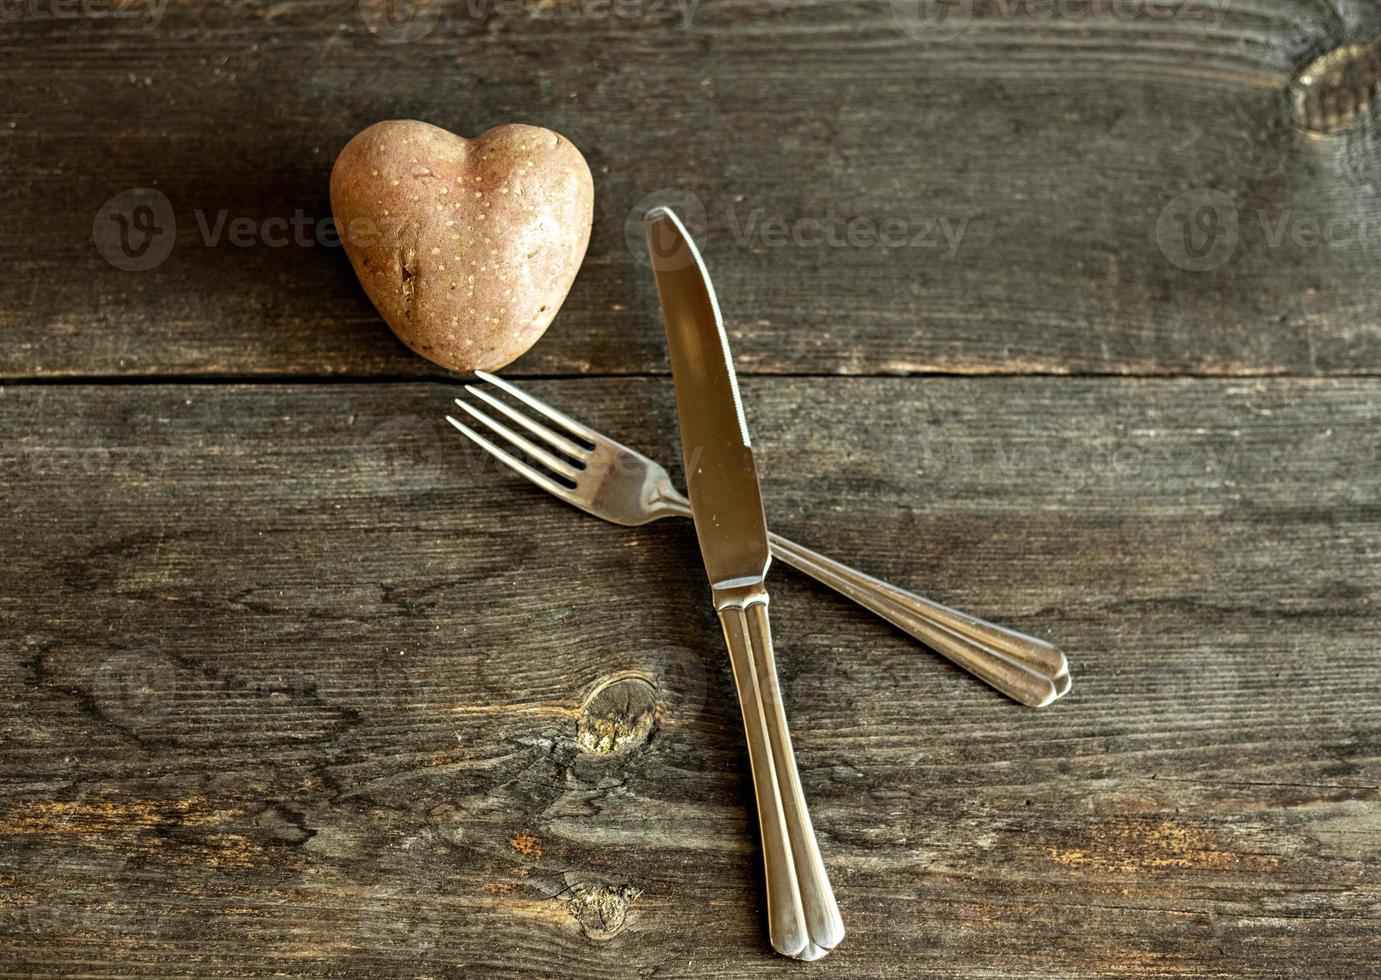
(1049, 139)
(294, 682)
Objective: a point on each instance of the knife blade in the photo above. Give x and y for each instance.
(721, 475)
(726, 502)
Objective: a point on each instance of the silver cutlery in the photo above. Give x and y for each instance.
(726, 504)
(609, 480)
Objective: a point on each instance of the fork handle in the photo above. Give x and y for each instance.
(1022, 667)
(802, 915)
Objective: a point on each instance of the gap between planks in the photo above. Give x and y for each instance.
(270, 380)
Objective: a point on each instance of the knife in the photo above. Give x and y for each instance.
(722, 479)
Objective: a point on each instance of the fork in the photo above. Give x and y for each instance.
(617, 484)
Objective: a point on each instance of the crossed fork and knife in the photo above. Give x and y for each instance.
(605, 478)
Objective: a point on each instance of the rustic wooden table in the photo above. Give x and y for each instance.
(295, 683)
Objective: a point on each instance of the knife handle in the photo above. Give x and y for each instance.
(802, 915)
(1022, 667)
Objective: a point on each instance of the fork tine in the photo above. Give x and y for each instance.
(536, 428)
(571, 425)
(513, 462)
(549, 460)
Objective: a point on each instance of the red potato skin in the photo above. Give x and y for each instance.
(466, 247)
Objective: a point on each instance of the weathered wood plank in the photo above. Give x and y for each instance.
(1048, 140)
(293, 682)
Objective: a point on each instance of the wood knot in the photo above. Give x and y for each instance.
(601, 910)
(1336, 89)
(618, 716)
(276, 824)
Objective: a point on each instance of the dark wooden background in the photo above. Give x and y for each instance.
(295, 683)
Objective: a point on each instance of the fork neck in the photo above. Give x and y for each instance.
(668, 497)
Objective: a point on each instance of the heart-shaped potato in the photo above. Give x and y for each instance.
(467, 247)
